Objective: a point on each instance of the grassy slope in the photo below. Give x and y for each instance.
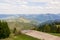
(24, 37)
(56, 34)
(20, 25)
(21, 37)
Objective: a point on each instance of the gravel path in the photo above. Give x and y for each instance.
(40, 35)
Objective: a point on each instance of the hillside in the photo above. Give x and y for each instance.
(20, 23)
(29, 19)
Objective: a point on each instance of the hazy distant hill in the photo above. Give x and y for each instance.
(28, 20)
(37, 17)
(43, 17)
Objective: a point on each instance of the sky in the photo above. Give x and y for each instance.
(29, 6)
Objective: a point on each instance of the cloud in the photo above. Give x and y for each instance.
(29, 6)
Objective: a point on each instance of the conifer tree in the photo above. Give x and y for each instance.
(4, 30)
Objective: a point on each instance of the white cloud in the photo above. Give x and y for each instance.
(21, 7)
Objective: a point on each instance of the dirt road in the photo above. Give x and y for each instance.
(40, 35)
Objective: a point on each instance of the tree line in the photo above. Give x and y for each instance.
(53, 27)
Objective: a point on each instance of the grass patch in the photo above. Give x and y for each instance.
(24, 37)
(21, 37)
(56, 34)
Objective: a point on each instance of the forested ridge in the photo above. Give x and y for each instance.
(50, 26)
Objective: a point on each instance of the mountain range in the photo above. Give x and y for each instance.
(27, 21)
(36, 17)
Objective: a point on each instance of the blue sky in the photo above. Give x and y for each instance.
(29, 6)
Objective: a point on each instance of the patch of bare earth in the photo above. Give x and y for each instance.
(40, 35)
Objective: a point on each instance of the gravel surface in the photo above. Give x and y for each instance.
(40, 35)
